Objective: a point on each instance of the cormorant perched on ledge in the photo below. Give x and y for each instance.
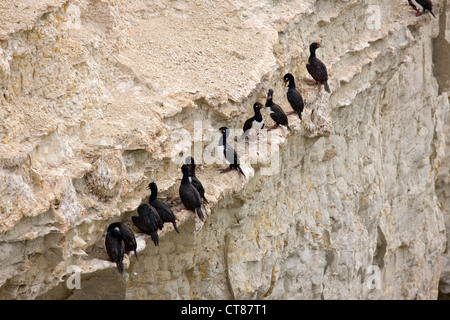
(426, 5)
(294, 97)
(164, 211)
(189, 195)
(256, 122)
(128, 238)
(148, 221)
(115, 247)
(276, 113)
(317, 68)
(229, 153)
(190, 162)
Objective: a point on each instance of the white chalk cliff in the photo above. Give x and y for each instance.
(99, 98)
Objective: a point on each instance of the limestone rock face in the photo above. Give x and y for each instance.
(99, 98)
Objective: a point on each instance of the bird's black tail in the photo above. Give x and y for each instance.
(300, 110)
(135, 253)
(327, 88)
(200, 213)
(204, 199)
(119, 265)
(432, 14)
(155, 238)
(289, 128)
(175, 227)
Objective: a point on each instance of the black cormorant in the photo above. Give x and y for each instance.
(276, 113)
(229, 153)
(190, 162)
(189, 195)
(317, 68)
(294, 97)
(148, 221)
(115, 247)
(128, 237)
(165, 212)
(255, 123)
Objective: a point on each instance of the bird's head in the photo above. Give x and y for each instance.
(223, 129)
(184, 169)
(189, 160)
(152, 186)
(314, 46)
(257, 105)
(115, 232)
(288, 77)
